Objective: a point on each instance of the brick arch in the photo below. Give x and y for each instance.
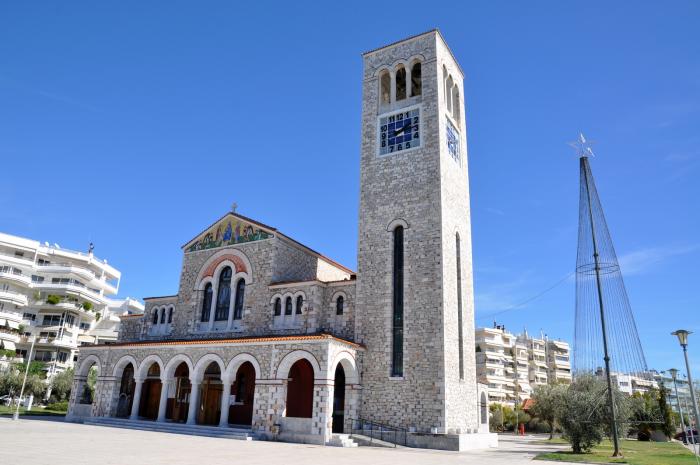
(236, 258)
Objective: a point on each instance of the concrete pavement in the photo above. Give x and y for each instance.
(37, 442)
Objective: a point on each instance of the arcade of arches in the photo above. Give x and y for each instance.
(218, 386)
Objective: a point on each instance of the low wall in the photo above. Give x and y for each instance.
(455, 442)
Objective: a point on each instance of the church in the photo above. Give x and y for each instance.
(268, 336)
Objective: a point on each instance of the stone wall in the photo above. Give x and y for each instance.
(272, 359)
(425, 190)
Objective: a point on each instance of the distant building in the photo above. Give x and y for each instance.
(512, 366)
(59, 298)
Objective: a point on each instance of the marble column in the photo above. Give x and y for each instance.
(164, 390)
(137, 400)
(194, 402)
(225, 396)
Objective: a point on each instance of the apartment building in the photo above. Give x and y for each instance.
(513, 365)
(57, 298)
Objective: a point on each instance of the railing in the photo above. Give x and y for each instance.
(378, 431)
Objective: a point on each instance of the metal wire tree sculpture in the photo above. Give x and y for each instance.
(606, 333)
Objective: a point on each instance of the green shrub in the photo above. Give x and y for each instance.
(87, 306)
(52, 299)
(61, 406)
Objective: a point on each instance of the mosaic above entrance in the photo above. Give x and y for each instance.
(228, 231)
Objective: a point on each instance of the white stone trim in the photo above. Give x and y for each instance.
(86, 364)
(235, 363)
(122, 363)
(174, 362)
(198, 374)
(142, 370)
(292, 357)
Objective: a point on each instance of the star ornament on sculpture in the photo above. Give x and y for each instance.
(582, 146)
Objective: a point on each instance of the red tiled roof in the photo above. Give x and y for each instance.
(241, 340)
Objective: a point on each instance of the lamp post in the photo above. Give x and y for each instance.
(15, 416)
(674, 375)
(682, 335)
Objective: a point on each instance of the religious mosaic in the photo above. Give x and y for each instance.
(228, 231)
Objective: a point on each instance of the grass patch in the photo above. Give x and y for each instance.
(554, 441)
(35, 411)
(634, 452)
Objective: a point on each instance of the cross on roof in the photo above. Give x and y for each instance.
(582, 146)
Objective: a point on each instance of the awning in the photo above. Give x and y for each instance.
(8, 345)
(13, 324)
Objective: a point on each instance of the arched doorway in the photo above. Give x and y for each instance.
(339, 399)
(150, 393)
(212, 388)
(241, 412)
(126, 392)
(178, 406)
(300, 390)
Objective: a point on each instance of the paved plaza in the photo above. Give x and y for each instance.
(37, 442)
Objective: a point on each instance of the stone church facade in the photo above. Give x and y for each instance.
(267, 334)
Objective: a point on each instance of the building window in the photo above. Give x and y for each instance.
(51, 320)
(223, 298)
(401, 83)
(29, 316)
(37, 279)
(456, 111)
(385, 87)
(162, 315)
(240, 296)
(170, 315)
(459, 307)
(278, 306)
(397, 319)
(448, 96)
(155, 316)
(62, 357)
(288, 306)
(339, 304)
(70, 320)
(206, 302)
(416, 80)
(300, 303)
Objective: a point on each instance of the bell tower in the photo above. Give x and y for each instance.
(414, 289)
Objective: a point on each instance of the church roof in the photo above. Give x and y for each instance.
(265, 230)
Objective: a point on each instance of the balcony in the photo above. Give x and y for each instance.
(51, 342)
(14, 298)
(15, 278)
(6, 257)
(74, 290)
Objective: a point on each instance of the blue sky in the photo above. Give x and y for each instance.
(136, 124)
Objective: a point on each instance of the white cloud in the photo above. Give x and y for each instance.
(642, 260)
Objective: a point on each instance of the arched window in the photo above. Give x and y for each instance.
(162, 315)
(300, 303)
(459, 307)
(240, 296)
(400, 83)
(456, 111)
(170, 315)
(288, 306)
(448, 95)
(416, 80)
(206, 301)
(444, 82)
(397, 320)
(223, 297)
(155, 316)
(385, 87)
(339, 304)
(278, 306)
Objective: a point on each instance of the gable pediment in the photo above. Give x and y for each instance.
(229, 230)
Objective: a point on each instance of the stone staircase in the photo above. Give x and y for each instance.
(240, 433)
(342, 440)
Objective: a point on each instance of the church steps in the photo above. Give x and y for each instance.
(176, 428)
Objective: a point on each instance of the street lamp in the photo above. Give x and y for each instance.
(674, 375)
(682, 336)
(15, 416)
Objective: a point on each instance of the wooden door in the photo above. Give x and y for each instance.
(211, 403)
(150, 398)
